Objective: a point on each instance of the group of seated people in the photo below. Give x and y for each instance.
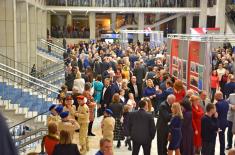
(69, 32)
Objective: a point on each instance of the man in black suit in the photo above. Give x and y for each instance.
(116, 86)
(162, 124)
(135, 89)
(105, 96)
(139, 72)
(142, 129)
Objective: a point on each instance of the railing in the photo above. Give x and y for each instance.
(51, 49)
(24, 143)
(117, 3)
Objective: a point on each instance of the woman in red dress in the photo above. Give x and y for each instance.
(197, 113)
(179, 91)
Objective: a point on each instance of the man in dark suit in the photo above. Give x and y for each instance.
(135, 89)
(169, 90)
(105, 96)
(139, 73)
(162, 124)
(230, 87)
(116, 86)
(142, 129)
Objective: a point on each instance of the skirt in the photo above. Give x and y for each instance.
(118, 130)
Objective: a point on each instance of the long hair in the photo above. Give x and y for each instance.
(178, 110)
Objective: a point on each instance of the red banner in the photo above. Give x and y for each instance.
(193, 63)
(174, 52)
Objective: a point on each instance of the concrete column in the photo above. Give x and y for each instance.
(203, 14)
(113, 21)
(92, 23)
(22, 20)
(141, 27)
(220, 15)
(49, 22)
(8, 31)
(39, 33)
(157, 28)
(189, 23)
(179, 25)
(33, 36)
(44, 24)
(69, 20)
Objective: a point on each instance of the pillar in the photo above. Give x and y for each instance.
(92, 23)
(157, 28)
(22, 20)
(189, 23)
(49, 22)
(39, 34)
(141, 27)
(113, 21)
(179, 25)
(69, 20)
(220, 15)
(203, 14)
(8, 31)
(33, 36)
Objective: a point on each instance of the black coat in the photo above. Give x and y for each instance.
(140, 74)
(7, 146)
(132, 90)
(164, 117)
(141, 127)
(106, 98)
(69, 149)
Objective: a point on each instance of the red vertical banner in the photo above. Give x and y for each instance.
(193, 64)
(174, 54)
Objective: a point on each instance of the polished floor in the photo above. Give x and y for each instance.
(94, 143)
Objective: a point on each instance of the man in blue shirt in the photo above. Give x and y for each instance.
(106, 147)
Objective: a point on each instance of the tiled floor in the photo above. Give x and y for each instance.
(94, 143)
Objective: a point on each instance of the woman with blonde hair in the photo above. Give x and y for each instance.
(65, 145)
(150, 92)
(175, 134)
(197, 114)
(79, 83)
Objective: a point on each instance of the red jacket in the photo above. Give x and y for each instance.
(197, 114)
(179, 96)
(49, 143)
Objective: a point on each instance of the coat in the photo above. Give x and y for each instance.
(197, 115)
(187, 134)
(91, 104)
(141, 127)
(179, 96)
(106, 96)
(140, 74)
(107, 126)
(164, 117)
(222, 108)
(98, 87)
(62, 149)
(114, 88)
(68, 126)
(132, 90)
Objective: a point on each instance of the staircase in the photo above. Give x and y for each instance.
(50, 51)
(23, 96)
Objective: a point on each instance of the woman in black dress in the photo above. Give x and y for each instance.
(117, 109)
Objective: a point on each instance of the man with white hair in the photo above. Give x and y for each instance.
(162, 124)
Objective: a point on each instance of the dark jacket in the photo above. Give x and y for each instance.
(132, 90)
(117, 109)
(222, 107)
(229, 88)
(7, 145)
(106, 97)
(164, 94)
(164, 117)
(69, 149)
(114, 88)
(209, 127)
(141, 127)
(140, 74)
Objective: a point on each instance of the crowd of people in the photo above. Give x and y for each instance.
(69, 32)
(129, 88)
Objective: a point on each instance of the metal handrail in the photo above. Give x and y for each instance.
(53, 45)
(28, 120)
(30, 77)
(31, 141)
(30, 134)
(29, 81)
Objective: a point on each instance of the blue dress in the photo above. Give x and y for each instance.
(98, 87)
(176, 134)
